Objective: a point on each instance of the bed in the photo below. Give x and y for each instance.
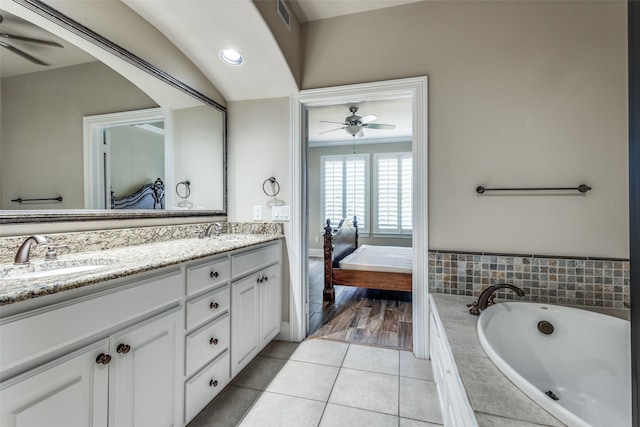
(149, 196)
(373, 267)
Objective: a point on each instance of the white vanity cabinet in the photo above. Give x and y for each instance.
(208, 333)
(71, 391)
(106, 359)
(256, 294)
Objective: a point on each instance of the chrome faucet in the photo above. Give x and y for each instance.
(487, 296)
(216, 227)
(22, 257)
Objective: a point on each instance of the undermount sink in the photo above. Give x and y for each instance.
(52, 268)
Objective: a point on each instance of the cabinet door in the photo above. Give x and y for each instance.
(143, 373)
(270, 304)
(71, 391)
(245, 316)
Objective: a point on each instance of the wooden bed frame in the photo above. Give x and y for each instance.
(149, 196)
(340, 244)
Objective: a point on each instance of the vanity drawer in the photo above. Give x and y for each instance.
(208, 306)
(206, 343)
(203, 276)
(206, 385)
(250, 261)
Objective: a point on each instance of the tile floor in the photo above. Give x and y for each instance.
(327, 383)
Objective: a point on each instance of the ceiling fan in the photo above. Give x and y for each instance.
(21, 52)
(355, 124)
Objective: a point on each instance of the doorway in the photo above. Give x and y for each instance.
(123, 151)
(414, 89)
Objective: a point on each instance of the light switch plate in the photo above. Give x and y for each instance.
(257, 213)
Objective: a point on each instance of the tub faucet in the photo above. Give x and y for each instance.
(487, 296)
(22, 257)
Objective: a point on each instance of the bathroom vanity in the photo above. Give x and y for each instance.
(149, 339)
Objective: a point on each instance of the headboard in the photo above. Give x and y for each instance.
(149, 196)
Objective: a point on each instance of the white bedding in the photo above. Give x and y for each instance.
(390, 259)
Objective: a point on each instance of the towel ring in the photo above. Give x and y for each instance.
(274, 185)
(187, 189)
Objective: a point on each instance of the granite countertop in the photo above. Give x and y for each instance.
(115, 263)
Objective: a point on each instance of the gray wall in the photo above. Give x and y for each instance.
(527, 93)
(41, 141)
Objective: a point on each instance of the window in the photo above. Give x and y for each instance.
(345, 188)
(393, 184)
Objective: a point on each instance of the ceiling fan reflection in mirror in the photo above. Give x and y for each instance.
(354, 124)
(20, 52)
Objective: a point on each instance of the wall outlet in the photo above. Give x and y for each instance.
(257, 212)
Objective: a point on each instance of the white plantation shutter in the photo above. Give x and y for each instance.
(393, 193)
(345, 189)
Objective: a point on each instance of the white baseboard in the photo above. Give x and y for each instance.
(317, 253)
(285, 332)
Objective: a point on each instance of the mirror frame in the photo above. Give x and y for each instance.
(39, 216)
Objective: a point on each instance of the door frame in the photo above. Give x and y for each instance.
(417, 89)
(93, 138)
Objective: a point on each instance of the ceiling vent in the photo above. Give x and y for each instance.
(283, 11)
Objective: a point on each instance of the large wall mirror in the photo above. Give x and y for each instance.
(96, 125)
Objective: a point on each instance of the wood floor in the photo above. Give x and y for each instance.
(365, 316)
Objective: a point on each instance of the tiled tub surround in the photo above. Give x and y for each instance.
(565, 281)
(122, 254)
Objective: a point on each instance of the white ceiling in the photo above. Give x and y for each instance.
(396, 112)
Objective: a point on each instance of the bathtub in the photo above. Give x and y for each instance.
(580, 372)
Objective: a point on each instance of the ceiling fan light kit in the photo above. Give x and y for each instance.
(355, 124)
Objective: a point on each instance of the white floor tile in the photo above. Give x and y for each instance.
(419, 400)
(306, 380)
(406, 422)
(321, 351)
(373, 359)
(411, 366)
(341, 416)
(276, 410)
(366, 390)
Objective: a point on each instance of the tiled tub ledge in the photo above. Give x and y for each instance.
(494, 400)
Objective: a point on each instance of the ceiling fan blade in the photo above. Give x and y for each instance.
(23, 54)
(30, 40)
(327, 121)
(327, 131)
(368, 118)
(379, 126)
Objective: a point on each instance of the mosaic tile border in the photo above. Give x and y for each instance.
(97, 240)
(556, 280)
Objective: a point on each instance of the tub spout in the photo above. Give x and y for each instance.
(486, 297)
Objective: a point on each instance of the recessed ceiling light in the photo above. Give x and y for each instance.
(231, 56)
